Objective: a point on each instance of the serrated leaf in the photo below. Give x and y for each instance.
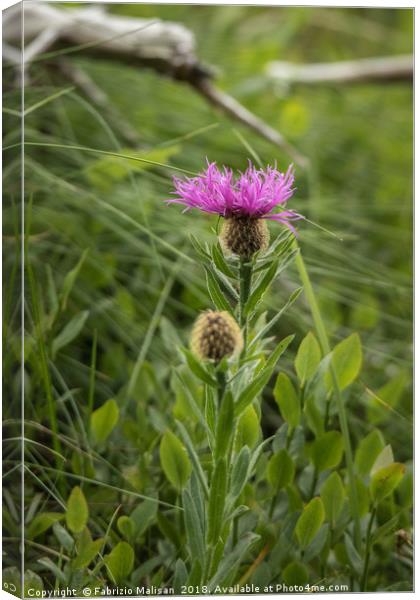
(346, 361)
(307, 358)
(280, 470)
(77, 512)
(310, 522)
(287, 400)
(332, 496)
(69, 332)
(174, 460)
(120, 561)
(253, 389)
(327, 450)
(385, 480)
(368, 450)
(104, 419)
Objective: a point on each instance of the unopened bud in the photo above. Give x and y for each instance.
(244, 236)
(216, 335)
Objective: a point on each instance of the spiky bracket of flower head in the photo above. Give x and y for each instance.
(216, 335)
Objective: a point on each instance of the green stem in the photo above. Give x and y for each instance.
(245, 280)
(325, 347)
(367, 551)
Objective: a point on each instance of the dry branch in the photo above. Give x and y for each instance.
(169, 48)
(374, 70)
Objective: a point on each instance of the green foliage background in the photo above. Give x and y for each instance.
(137, 293)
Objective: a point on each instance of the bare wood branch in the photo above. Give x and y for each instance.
(374, 70)
(168, 48)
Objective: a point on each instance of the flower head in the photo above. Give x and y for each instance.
(256, 193)
(215, 335)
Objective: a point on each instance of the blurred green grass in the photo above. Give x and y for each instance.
(359, 186)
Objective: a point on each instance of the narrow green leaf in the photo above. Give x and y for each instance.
(220, 261)
(194, 456)
(174, 460)
(216, 294)
(69, 331)
(41, 522)
(232, 559)
(70, 280)
(327, 450)
(332, 496)
(280, 470)
(198, 368)
(287, 400)
(63, 537)
(193, 528)
(261, 287)
(77, 512)
(104, 419)
(224, 429)
(309, 522)
(239, 472)
(256, 386)
(218, 491)
(307, 358)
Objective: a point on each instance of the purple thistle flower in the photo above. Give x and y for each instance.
(256, 193)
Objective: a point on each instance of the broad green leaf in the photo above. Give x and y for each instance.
(180, 576)
(193, 527)
(280, 470)
(313, 416)
(307, 358)
(383, 459)
(287, 400)
(386, 398)
(248, 429)
(126, 527)
(327, 450)
(295, 573)
(120, 561)
(346, 361)
(143, 516)
(385, 480)
(257, 385)
(224, 428)
(33, 585)
(309, 522)
(87, 550)
(70, 280)
(368, 450)
(332, 496)
(104, 419)
(218, 489)
(41, 522)
(77, 512)
(198, 368)
(69, 332)
(174, 460)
